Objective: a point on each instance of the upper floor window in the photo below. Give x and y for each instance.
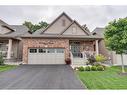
(73, 30)
(63, 22)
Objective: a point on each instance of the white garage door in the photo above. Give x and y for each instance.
(46, 56)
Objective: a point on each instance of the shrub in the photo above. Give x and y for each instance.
(104, 66)
(97, 64)
(81, 68)
(1, 59)
(91, 59)
(75, 68)
(87, 68)
(93, 68)
(100, 68)
(100, 58)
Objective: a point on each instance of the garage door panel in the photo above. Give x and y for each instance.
(59, 58)
(46, 56)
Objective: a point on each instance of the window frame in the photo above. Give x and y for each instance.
(43, 50)
(51, 51)
(60, 51)
(33, 49)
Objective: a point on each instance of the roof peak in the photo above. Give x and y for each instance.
(63, 13)
(74, 21)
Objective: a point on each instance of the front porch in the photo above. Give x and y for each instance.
(81, 49)
(9, 48)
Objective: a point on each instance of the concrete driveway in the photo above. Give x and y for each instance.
(40, 77)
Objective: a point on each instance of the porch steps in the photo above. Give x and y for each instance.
(13, 60)
(79, 61)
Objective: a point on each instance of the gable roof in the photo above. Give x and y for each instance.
(87, 32)
(98, 31)
(56, 20)
(6, 25)
(19, 30)
(39, 31)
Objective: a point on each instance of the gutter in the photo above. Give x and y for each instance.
(59, 36)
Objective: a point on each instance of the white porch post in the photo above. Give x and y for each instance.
(97, 49)
(9, 49)
(70, 47)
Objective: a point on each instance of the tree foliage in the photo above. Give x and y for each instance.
(116, 35)
(33, 27)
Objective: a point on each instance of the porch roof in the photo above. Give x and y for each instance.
(9, 37)
(19, 30)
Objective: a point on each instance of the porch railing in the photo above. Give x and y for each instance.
(78, 54)
(71, 56)
(4, 53)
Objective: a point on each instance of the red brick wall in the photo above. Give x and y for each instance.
(87, 45)
(45, 43)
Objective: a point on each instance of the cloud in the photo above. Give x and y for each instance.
(93, 16)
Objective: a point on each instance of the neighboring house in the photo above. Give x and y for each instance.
(115, 58)
(103, 50)
(10, 40)
(62, 39)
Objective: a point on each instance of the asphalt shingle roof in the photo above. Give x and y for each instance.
(5, 24)
(18, 30)
(38, 32)
(99, 31)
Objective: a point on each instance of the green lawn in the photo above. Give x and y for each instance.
(108, 79)
(6, 67)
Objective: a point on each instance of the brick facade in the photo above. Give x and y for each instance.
(44, 43)
(52, 43)
(87, 45)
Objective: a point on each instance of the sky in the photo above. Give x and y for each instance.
(91, 15)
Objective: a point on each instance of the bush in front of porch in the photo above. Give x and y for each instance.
(98, 59)
(94, 63)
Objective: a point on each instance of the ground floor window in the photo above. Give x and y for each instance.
(3, 49)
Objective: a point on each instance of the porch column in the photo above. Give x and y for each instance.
(9, 49)
(97, 49)
(70, 47)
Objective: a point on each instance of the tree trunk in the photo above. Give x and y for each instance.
(123, 71)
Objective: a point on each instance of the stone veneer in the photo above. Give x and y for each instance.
(44, 43)
(87, 45)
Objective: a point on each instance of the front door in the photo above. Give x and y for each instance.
(75, 49)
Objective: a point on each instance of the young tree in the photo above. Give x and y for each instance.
(43, 24)
(116, 37)
(33, 27)
(29, 25)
